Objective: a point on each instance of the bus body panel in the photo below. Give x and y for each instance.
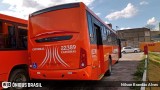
(12, 54)
(77, 74)
(60, 54)
(9, 59)
(115, 54)
(58, 64)
(13, 19)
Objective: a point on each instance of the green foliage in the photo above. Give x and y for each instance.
(139, 73)
(140, 69)
(154, 56)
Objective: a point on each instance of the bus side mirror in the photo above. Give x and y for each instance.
(119, 42)
(119, 47)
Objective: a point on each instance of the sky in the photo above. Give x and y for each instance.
(122, 14)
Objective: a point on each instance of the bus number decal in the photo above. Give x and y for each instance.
(68, 49)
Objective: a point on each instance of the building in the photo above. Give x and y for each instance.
(155, 36)
(132, 37)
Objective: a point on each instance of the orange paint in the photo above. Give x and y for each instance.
(10, 56)
(60, 46)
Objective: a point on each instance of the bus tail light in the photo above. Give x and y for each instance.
(83, 58)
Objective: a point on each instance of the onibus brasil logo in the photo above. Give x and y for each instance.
(6, 85)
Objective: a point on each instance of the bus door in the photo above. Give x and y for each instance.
(99, 48)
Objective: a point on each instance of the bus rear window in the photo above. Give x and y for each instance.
(54, 39)
(55, 21)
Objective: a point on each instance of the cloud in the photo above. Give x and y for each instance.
(152, 21)
(143, 3)
(128, 12)
(107, 22)
(22, 8)
(125, 28)
(17, 9)
(33, 3)
(91, 8)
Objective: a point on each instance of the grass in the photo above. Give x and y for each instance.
(155, 58)
(139, 73)
(153, 69)
(140, 69)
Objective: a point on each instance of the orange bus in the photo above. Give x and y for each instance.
(69, 42)
(13, 49)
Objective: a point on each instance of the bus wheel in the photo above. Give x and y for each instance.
(18, 76)
(108, 73)
(117, 61)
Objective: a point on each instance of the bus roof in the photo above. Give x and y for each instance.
(58, 7)
(12, 19)
(69, 5)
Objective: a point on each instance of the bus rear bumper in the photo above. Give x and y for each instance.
(78, 74)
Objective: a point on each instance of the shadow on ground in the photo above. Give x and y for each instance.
(121, 72)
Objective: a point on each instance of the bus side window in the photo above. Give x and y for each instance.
(114, 39)
(1, 36)
(97, 34)
(22, 36)
(104, 35)
(91, 33)
(11, 37)
(0, 27)
(109, 39)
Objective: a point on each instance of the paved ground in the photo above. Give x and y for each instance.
(122, 71)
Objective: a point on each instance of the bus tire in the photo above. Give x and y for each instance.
(19, 76)
(117, 61)
(109, 71)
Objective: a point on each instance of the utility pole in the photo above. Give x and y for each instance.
(159, 26)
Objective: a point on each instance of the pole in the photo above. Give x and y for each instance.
(159, 26)
(144, 79)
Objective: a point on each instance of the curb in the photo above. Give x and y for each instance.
(145, 71)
